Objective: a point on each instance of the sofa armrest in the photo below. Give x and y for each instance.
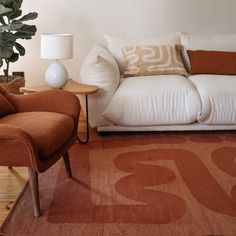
(100, 69)
(17, 148)
(59, 101)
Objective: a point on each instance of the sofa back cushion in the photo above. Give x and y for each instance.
(212, 62)
(115, 43)
(99, 69)
(209, 42)
(153, 60)
(6, 107)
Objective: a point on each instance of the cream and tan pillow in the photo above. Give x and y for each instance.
(153, 60)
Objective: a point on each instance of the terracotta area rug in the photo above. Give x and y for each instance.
(150, 184)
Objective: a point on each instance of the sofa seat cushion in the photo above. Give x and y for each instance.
(218, 96)
(49, 130)
(154, 100)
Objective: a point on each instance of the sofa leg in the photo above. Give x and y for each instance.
(67, 164)
(34, 185)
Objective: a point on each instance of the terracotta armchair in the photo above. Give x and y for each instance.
(36, 130)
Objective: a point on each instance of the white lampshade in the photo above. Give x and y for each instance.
(56, 46)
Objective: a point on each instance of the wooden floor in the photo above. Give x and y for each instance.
(13, 180)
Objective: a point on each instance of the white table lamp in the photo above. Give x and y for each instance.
(56, 46)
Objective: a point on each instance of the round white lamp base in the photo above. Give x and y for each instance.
(56, 75)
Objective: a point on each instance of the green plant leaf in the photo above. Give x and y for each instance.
(11, 27)
(2, 21)
(20, 49)
(6, 2)
(29, 16)
(3, 28)
(4, 10)
(7, 41)
(26, 32)
(15, 5)
(3, 2)
(15, 26)
(14, 57)
(15, 14)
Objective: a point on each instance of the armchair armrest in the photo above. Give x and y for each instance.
(17, 148)
(59, 101)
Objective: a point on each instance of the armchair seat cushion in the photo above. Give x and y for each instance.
(48, 130)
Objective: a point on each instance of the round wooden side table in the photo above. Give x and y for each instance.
(73, 87)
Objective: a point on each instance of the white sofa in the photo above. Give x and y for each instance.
(164, 102)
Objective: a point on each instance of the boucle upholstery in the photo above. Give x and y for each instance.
(42, 129)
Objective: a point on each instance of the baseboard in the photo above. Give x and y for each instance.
(189, 127)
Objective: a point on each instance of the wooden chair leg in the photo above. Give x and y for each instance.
(34, 185)
(67, 164)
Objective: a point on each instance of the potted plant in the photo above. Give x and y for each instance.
(13, 28)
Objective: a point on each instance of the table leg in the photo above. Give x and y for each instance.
(87, 123)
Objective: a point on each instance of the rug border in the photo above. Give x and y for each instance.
(13, 207)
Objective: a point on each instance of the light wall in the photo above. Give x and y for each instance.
(88, 19)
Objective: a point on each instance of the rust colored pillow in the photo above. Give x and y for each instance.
(6, 107)
(212, 62)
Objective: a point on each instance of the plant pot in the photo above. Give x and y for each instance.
(12, 84)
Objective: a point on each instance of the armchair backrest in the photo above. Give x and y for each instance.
(6, 108)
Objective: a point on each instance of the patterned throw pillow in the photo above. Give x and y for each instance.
(153, 60)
